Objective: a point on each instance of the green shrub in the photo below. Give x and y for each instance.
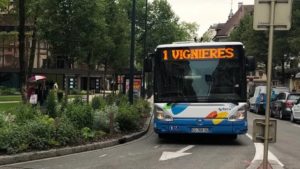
(60, 96)
(87, 134)
(74, 91)
(51, 104)
(98, 103)
(65, 132)
(127, 118)
(119, 99)
(80, 115)
(78, 100)
(122, 100)
(41, 133)
(102, 118)
(25, 112)
(14, 139)
(2, 120)
(142, 107)
(36, 134)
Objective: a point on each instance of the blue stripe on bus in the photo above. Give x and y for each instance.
(186, 125)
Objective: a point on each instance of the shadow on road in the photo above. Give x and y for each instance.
(200, 140)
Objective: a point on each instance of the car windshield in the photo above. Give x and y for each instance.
(293, 96)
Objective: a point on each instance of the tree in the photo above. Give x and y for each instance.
(3, 4)
(22, 65)
(76, 31)
(33, 10)
(165, 26)
(256, 42)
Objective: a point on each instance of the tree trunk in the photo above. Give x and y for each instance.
(88, 78)
(32, 49)
(104, 78)
(22, 62)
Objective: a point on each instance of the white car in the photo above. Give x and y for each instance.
(295, 115)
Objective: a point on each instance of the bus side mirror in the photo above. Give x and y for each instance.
(148, 63)
(250, 63)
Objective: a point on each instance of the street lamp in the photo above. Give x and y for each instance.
(145, 48)
(130, 95)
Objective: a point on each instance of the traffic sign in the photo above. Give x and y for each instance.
(282, 14)
(259, 131)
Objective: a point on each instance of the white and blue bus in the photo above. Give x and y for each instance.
(200, 88)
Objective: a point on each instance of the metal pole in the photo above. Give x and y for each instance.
(145, 46)
(267, 113)
(130, 95)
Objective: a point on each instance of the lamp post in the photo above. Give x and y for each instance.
(130, 94)
(145, 48)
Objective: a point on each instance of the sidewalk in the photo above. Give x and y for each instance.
(3, 102)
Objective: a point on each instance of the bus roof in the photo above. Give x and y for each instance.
(192, 44)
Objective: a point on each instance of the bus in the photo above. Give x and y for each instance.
(200, 88)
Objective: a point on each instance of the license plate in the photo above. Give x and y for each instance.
(200, 130)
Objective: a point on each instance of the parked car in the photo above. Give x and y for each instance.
(282, 105)
(258, 101)
(295, 115)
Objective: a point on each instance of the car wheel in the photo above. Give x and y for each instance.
(280, 115)
(292, 119)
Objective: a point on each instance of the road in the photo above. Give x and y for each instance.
(287, 146)
(150, 152)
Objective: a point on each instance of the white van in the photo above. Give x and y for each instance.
(257, 102)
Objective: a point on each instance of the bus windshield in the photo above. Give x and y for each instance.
(200, 80)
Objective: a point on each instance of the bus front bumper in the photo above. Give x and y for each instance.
(201, 126)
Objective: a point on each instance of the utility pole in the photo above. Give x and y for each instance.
(265, 18)
(132, 52)
(269, 87)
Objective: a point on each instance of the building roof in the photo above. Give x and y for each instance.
(224, 29)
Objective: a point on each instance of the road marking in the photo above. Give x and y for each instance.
(296, 125)
(156, 147)
(170, 155)
(259, 152)
(103, 155)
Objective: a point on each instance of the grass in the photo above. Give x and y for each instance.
(7, 106)
(10, 98)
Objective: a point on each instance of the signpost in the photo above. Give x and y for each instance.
(270, 15)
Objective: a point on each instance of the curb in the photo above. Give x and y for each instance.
(9, 159)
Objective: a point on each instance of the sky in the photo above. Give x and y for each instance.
(205, 12)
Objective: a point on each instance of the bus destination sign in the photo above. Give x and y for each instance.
(198, 54)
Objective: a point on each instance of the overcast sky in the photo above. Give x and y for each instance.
(205, 12)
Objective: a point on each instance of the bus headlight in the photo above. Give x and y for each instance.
(160, 114)
(239, 114)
